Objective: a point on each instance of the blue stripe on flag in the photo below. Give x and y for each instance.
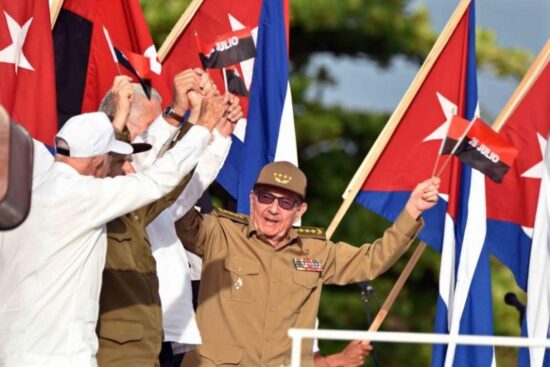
(267, 96)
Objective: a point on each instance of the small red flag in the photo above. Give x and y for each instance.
(476, 144)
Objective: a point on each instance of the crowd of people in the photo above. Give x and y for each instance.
(106, 268)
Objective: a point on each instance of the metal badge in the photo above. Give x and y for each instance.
(238, 283)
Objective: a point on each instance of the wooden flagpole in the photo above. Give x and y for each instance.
(385, 309)
(380, 144)
(541, 61)
(530, 77)
(384, 137)
(55, 8)
(178, 29)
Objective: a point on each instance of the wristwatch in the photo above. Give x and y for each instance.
(169, 112)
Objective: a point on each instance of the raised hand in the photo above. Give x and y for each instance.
(423, 197)
(184, 83)
(123, 94)
(234, 110)
(212, 111)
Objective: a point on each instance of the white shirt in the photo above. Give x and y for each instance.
(51, 266)
(174, 268)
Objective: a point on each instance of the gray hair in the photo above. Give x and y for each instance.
(108, 106)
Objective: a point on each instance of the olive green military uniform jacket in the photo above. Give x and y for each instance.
(130, 317)
(252, 293)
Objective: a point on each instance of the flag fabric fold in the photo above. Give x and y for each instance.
(84, 64)
(234, 83)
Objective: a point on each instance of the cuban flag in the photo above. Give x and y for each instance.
(517, 209)
(266, 134)
(270, 134)
(456, 226)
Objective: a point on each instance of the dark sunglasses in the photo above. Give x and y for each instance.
(283, 201)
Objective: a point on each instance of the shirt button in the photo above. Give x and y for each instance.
(274, 280)
(268, 338)
(272, 308)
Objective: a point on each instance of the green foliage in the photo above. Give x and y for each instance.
(332, 143)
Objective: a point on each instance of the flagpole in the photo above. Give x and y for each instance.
(225, 80)
(388, 303)
(54, 10)
(178, 28)
(384, 137)
(530, 77)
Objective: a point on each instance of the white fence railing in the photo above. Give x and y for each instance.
(418, 338)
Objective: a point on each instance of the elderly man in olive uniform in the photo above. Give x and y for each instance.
(261, 276)
(130, 320)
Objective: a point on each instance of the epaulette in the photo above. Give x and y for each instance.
(231, 215)
(311, 232)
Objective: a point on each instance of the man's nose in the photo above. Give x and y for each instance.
(274, 207)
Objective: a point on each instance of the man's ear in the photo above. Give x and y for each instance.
(301, 211)
(97, 164)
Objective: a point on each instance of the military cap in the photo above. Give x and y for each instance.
(284, 175)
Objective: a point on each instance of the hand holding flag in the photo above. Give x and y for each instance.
(423, 197)
(187, 92)
(123, 95)
(234, 109)
(212, 111)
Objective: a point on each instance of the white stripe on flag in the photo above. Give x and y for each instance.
(538, 283)
(447, 267)
(474, 237)
(286, 141)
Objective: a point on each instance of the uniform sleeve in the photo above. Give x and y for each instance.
(159, 134)
(199, 233)
(207, 169)
(109, 198)
(349, 264)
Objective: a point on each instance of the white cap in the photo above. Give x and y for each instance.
(89, 135)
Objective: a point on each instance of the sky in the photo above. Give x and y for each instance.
(362, 85)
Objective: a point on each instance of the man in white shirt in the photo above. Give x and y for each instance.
(50, 267)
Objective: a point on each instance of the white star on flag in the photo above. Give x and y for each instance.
(13, 54)
(151, 53)
(537, 170)
(449, 110)
(247, 66)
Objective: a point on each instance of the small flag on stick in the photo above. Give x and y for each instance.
(228, 49)
(476, 144)
(138, 65)
(234, 82)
